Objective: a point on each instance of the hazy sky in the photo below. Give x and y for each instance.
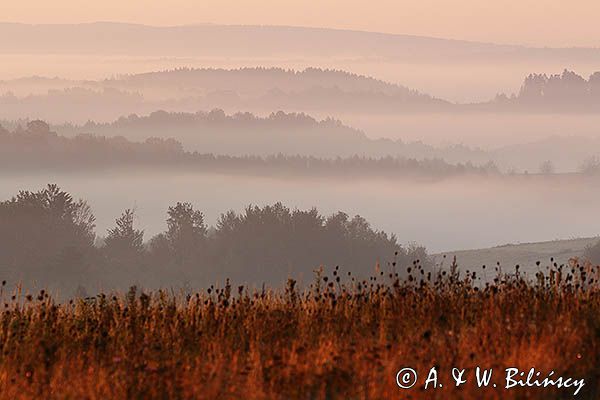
(539, 22)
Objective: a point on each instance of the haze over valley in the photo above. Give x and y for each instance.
(464, 71)
(449, 144)
(328, 200)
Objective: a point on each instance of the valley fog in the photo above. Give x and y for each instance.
(443, 215)
(484, 130)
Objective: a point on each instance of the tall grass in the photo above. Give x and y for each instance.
(339, 338)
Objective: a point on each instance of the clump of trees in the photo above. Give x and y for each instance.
(49, 238)
(590, 166)
(46, 234)
(564, 91)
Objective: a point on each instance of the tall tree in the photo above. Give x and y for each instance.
(46, 232)
(186, 233)
(124, 245)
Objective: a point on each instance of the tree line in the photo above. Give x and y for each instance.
(48, 237)
(36, 147)
(556, 92)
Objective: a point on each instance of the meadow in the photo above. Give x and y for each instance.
(337, 338)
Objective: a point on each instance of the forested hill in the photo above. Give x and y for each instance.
(36, 147)
(263, 90)
(286, 133)
(258, 80)
(188, 90)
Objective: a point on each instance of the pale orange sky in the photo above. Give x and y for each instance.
(537, 22)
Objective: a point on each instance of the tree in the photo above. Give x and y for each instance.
(267, 244)
(124, 245)
(159, 251)
(186, 233)
(38, 127)
(46, 233)
(547, 168)
(590, 166)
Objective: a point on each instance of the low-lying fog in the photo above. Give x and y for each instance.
(458, 213)
(484, 130)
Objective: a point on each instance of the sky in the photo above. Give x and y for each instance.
(554, 23)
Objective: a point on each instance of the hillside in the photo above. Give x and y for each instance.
(36, 148)
(456, 70)
(259, 41)
(263, 90)
(245, 133)
(525, 255)
(228, 40)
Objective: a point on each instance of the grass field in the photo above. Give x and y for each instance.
(337, 339)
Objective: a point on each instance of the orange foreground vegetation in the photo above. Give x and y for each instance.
(338, 339)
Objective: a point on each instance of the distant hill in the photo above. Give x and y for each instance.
(36, 147)
(257, 81)
(456, 70)
(261, 41)
(268, 88)
(280, 132)
(263, 90)
(526, 255)
(227, 40)
(239, 134)
(252, 89)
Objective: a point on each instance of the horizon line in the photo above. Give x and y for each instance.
(299, 27)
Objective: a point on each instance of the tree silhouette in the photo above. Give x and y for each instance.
(547, 168)
(46, 232)
(186, 233)
(48, 236)
(124, 245)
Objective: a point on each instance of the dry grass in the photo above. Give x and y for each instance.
(338, 339)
